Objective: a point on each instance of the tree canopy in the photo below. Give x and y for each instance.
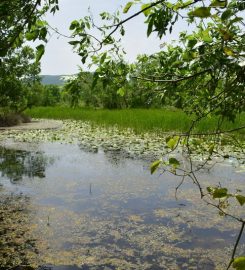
(21, 20)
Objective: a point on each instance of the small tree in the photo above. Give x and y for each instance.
(19, 72)
(21, 20)
(51, 95)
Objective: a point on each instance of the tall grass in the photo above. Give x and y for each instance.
(140, 120)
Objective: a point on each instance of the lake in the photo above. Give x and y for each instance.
(65, 207)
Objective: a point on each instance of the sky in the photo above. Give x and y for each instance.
(59, 57)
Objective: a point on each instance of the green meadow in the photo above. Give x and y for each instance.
(140, 120)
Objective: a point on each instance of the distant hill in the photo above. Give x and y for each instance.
(53, 79)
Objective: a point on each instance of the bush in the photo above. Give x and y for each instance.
(13, 119)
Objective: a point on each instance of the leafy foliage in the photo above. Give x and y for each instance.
(50, 95)
(155, 165)
(19, 75)
(21, 20)
(239, 263)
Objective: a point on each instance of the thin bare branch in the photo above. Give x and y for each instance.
(236, 245)
(212, 133)
(153, 79)
(179, 185)
(189, 4)
(58, 32)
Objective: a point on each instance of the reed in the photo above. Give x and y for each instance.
(140, 120)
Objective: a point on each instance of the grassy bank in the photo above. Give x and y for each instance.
(138, 119)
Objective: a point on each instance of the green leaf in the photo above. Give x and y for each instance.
(150, 26)
(220, 193)
(217, 3)
(180, 5)
(40, 51)
(84, 59)
(226, 15)
(43, 33)
(121, 91)
(240, 199)
(31, 35)
(174, 162)
(235, 20)
(239, 263)
(172, 142)
(191, 43)
(41, 23)
(155, 165)
(206, 37)
(201, 12)
(95, 80)
(102, 59)
(187, 56)
(122, 31)
(148, 10)
(228, 51)
(87, 24)
(74, 42)
(210, 189)
(127, 7)
(211, 149)
(74, 24)
(177, 63)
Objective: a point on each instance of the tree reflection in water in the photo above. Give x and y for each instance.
(16, 164)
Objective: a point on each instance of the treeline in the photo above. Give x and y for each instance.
(116, 86)
(21, 87)
(86, 90)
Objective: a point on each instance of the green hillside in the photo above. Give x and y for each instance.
(52, 79)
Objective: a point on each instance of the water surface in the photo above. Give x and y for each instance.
(88, 210)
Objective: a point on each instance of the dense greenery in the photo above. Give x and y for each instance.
(19, 75)
(21, 20)
(197, 75)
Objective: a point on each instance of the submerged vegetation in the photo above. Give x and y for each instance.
(17, 244)
(102, 210)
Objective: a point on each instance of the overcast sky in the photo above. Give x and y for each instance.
(59, 57)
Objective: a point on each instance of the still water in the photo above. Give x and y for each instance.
(81, 210)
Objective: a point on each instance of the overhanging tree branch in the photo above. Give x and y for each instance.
(129, 18)
(142, 11)
(212, 133)
(123, 22)
(20, 29)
